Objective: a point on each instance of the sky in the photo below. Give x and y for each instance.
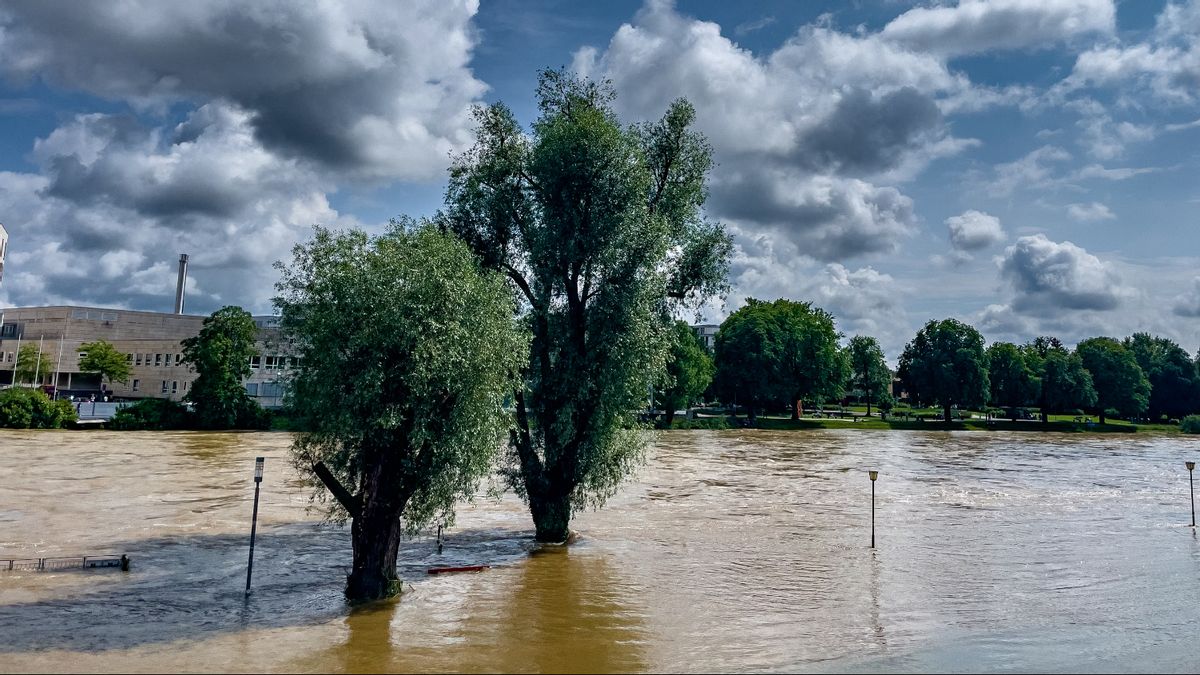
(1026, 166)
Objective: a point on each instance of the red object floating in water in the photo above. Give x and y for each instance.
(465, 568)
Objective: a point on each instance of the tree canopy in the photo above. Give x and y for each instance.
(689, 371)
(1119, 381)
(869, 373)
(220, 355)
(407, 352)
(31, 364)
(103, 358)
(599, 229)
(1174, 382)
(946, 363)
(1012, 382)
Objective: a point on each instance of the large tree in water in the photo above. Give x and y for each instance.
(600, 232)
(407, 351)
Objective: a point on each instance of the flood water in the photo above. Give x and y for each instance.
(739, 550)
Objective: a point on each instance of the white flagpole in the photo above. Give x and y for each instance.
(18, 361)
(37, 369)
(62, 337)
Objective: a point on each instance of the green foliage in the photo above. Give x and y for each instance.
(32, 409)
(868, 370)
(1174, 382)
(779, 352)
(1065, 385)
(407, 350)
(1190, 424)
(1012, 382)
(1120, 384)
(600, 231)
(32, 364)
(155, 414)
(689, 371)
(102, 357)
(946, 363)
(220, 355)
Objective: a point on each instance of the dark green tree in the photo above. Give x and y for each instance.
(599, 229)
(946, 363)
(1174, 385)
(747, 353)
(220, 355)
(1119, 381)
(1012, 382)
(812, 365)
(868, 370)
(103, 358)
(407, 351)
(32, 364)
(689, 372)
(1064, 384)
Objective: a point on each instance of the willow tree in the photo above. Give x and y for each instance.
(599, 229)
(407, 350)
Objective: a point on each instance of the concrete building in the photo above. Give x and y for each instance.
(707, 332)
(151, 341)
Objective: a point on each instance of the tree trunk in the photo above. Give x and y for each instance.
(868, 404)
(795, 408)
(1045, 416)
(1012, 414)
(551, 517)
(376, 538)
(668, 417)
(1102, 416)
(946, 413)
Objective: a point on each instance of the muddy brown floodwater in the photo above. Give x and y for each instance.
(738, 550)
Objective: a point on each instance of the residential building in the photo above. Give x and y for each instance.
(707, 332)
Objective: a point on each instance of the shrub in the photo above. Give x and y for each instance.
(152, 414)
(1190, 424)
(33, 409)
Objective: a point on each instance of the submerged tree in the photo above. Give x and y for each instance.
(689, 372)
(407, 350)
(599, 229)
(220, 355)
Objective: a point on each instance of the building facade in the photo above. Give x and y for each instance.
(151, 342)
(707, 332)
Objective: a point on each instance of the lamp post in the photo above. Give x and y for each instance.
(258, 474)
(874, 475)
(1192, 489)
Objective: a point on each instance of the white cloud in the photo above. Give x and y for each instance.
(1031, 170)
(1048, 277)
(1187, 304)
(974, 230)
(1089, 213)
(975, 26)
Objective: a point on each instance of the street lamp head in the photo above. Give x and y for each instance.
(258, 469)
(1190, 465)
(873, 474)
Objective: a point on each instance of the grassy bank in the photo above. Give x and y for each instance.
(874, 423)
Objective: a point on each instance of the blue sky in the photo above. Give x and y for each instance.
(1026, 166)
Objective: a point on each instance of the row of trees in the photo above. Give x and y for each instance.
(777, 354)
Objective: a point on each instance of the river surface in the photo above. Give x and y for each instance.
(739, 550)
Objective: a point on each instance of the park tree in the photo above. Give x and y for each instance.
(407, 351)
(747, 352)
(32, 364)
(946, 363)
(220, 355)
(689, 372)
(1012, 382)
(1174, 384)
(103, 358)
(1119, 381)
(599, 229)
(811, 363)
(868, 370)
(1064, 384)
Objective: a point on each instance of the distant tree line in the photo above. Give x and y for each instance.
(783, 355)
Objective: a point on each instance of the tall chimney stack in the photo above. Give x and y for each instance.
(183, 259)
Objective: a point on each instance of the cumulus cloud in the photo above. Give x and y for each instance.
(115, 202)
(1032, 169)
(1089, 213)
(807, 136)
(974, 230)
(1188, 303)
(378, 88)
(1167, 64)
(975, 26)
(1048, 277)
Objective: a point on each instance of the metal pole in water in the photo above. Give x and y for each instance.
(1192, 488)
(873, 475)
(258, 473)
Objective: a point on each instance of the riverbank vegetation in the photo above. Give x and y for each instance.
(22, 408)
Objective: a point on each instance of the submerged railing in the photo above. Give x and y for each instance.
(64, 563)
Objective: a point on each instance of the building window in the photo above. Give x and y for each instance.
(254, 361)
(129, 358)
(164, 386)
(174, 386)
(135, 384)
(158, 364)
(82, 355)
(252, 388)
(167, 361)
(137, 359)
(10, 357)
(178, 358)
